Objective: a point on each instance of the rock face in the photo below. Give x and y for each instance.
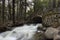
(50, 32)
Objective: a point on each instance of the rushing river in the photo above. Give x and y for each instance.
(25, 32)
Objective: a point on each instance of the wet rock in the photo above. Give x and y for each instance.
(40, 27)
(50, 32)
(44, 29)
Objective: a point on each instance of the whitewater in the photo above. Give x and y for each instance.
(25, 32)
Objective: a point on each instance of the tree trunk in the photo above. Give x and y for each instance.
(3, 7)
(9, 9)
(13, 3)
(54, 3)
(25, 9)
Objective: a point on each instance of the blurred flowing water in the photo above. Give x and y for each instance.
(25, 32)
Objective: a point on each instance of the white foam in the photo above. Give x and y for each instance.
(25, 32)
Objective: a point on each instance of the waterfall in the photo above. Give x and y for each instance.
(24, 32)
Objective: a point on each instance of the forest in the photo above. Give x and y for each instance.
(29, 19)
(15, 12)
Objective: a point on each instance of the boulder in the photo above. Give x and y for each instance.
(50, 32)
(57, 36)
(58, 28)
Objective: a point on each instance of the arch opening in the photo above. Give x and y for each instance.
(37, 19)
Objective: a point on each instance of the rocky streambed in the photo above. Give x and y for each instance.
(31, 32)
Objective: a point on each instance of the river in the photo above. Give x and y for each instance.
(25, 32)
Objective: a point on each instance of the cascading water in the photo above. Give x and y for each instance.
(25, 32)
